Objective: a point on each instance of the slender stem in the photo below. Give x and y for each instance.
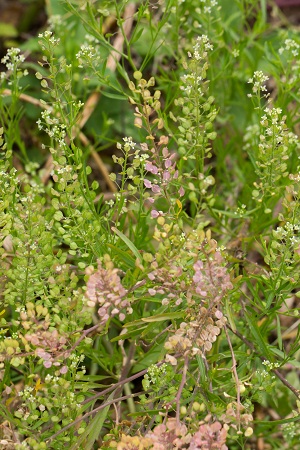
(235, 374)
(179, 392)
(83, 336)
(91, 413)
(119, 383)
(125, 370)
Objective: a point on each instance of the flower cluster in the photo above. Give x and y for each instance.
(163, 167)
(204, 319)
(104, 289)
(154, 376)
(12, 58)
(236, 415)
(284, 251)
(275, 144)
(52, 126)
(160, 163)
(290, 46)
(289, 55)
(13, 61)
(209, 436)
(46, 339)
(48, 40)
(211, 278)
(87, 55)
(209, 5)
(197, 336)
(172, 435)
(48, 342)
(167, 281)
(132, 443)
(201, 48)
(258, 80)
(197, 114)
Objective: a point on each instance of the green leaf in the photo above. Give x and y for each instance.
(114, 96)
(165, 316)
(136, 35)
(124, 256)
(271, 423)
(93, 429)
(258, 339)
(154, 355)
(128, 335)
(279, 336)
(128, 243)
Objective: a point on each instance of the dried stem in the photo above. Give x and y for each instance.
(91, 413)
(235, 374)
(179, 392)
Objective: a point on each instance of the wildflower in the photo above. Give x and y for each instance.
(169, 435)
(13, 61)
(209, 436)
(258, 81)
(104, 288)
(290, 46)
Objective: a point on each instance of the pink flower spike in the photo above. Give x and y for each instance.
(168, 163)
(181, 191)
(154, 214)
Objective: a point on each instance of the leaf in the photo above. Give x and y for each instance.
(294, 363)
(277, 422)
(229, 315)
(128, 335)
(279, 336)
(258, 339)
(124, 256)
(164, 316)
(93, 429)
(128, 243)
(154, 355)
(136, 35)
(114, 96)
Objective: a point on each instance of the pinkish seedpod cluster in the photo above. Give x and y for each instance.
(104, 289)
(162, 167)
(211, 278)
(204, 319)
(197, 336)
(173, 435)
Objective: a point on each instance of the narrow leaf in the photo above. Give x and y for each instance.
(128, 243)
